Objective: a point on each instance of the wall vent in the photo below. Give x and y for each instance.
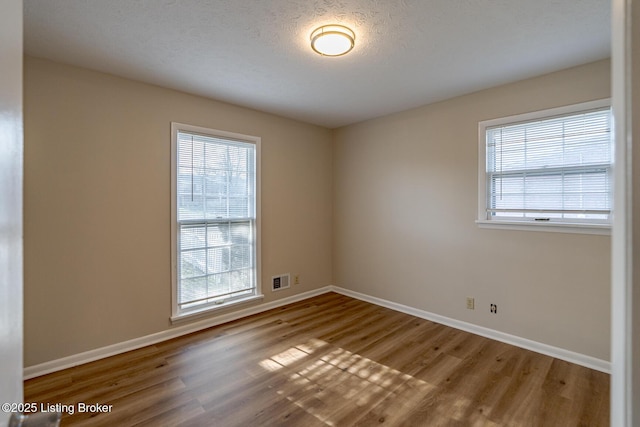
(280, 282)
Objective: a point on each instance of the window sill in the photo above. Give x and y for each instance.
(601, 229)
(205, 311)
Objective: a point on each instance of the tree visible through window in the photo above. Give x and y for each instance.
(215, 218)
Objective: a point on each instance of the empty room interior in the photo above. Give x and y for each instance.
(226, 225)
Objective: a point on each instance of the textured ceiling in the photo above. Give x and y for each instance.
(256, 53)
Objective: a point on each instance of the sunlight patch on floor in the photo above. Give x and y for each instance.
(291, 355)
(359, 381)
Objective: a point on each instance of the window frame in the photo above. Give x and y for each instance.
(178, 314)
(530, 225)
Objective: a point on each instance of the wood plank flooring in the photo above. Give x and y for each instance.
(330, 361)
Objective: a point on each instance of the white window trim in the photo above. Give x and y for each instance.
(176, 314)
(561, 227)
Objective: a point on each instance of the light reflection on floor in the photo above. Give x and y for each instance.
(357, 380)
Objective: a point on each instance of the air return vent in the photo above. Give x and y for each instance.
(280, 282)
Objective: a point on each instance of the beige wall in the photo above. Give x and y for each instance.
(405, 201)
(97, 204)
(402, 191)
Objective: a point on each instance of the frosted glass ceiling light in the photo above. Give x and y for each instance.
(332, 40)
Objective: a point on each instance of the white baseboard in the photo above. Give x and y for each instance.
(538, 347)
(111, 350)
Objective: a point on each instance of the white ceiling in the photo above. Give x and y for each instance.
(256, 53)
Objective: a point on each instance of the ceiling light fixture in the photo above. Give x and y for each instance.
(332, 40)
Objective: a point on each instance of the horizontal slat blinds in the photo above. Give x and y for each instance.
(216, 212)
(554, 169)
(216, 178)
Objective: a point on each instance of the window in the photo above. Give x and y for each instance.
(214, 218)
(550, 169)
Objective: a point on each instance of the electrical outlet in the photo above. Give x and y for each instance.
(470, 303)
(494, 308)
(296, 279)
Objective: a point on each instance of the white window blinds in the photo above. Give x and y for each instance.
(216, 216)
(554, 169)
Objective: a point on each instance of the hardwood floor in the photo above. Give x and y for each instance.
(330, 361)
